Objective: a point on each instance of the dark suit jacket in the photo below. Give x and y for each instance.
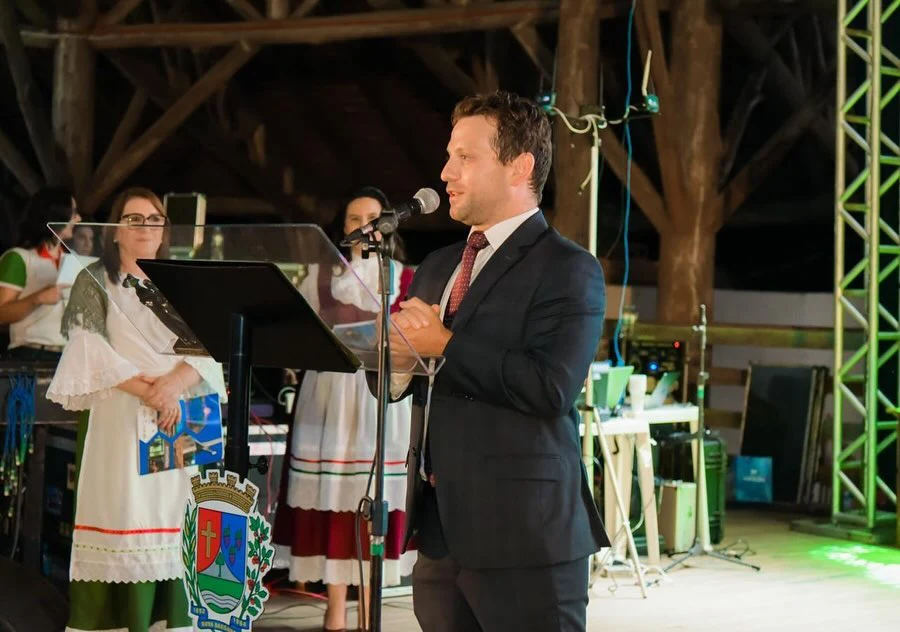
(511, 488)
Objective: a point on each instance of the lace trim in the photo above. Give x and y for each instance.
(305, 491)
(131, 569)
(319, 568)
(74, 392)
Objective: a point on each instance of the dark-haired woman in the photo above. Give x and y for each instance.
(30, 299)
(126, 567)
(333, 437)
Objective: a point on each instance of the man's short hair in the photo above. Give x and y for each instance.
(522, 127)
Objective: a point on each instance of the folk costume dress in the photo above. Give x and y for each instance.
(126, 567)
(332, 447)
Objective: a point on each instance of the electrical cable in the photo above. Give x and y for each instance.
(630, 154)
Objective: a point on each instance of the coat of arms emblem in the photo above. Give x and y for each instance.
(226, 551)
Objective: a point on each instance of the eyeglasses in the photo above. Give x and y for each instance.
(136, 219)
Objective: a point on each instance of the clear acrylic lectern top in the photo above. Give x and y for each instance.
(343, 291)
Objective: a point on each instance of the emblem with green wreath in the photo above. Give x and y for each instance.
(226, 553)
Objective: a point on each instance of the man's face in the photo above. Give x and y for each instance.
(477, 183)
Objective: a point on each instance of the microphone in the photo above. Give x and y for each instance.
(425, 201)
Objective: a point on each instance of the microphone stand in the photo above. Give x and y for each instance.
(377, 513)
(702, 542)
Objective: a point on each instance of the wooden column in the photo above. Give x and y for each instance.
(693, 132)
(578, 58)
(73, 108)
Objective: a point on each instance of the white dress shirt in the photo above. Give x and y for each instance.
(496, 235)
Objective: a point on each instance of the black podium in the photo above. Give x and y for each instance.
(245, 314)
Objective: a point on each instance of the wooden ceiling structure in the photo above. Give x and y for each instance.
(278, 109)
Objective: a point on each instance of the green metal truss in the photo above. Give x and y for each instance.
(867, 262)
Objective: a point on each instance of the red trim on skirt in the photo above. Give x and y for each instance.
(331, 534)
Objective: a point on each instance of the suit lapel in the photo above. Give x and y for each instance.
(433, 290)
(512, 250)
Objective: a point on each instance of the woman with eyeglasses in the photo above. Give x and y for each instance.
(30, 299)
(126, 567)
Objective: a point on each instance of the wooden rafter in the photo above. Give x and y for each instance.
(306, 7)
(104, 184)
(433, 21)
(18, 165)
(436, 59)
(484, 66)
(756, 44)
(530, 40)
(773, 151)
(642, 190)
(319, 30)
(267, 184)
(750, 97)
(36, 122)
(443, 67)
(124, 131)
(119, 12)
(650, 39)
(35, 13)
(245, 9)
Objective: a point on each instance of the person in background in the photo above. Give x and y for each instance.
(126, 567)
(30, 299)
(332, 442)
(83, 240)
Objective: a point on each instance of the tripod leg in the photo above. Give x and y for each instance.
(607, 457)
(681, 560)
(733, 560)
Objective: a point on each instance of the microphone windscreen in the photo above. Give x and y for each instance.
(430, 200)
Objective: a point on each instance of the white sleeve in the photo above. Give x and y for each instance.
(213, 378)
(88, 371)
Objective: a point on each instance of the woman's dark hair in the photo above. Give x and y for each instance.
(336, 231)
(48, 205)
(112, 260)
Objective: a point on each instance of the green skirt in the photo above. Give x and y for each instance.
(132, 607)
(117, 606)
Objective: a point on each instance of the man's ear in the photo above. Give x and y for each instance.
(522, 168)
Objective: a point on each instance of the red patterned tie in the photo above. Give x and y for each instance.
(477, 241)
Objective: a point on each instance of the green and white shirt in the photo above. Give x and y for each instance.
(29, 271)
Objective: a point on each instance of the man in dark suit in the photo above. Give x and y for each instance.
(498, 499)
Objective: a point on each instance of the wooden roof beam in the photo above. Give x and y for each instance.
(18, 165)
(144, 76)
(773, 151)
(36, 120)
(245, 9)
(317, 30)
(105, 183)
(35, 13)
